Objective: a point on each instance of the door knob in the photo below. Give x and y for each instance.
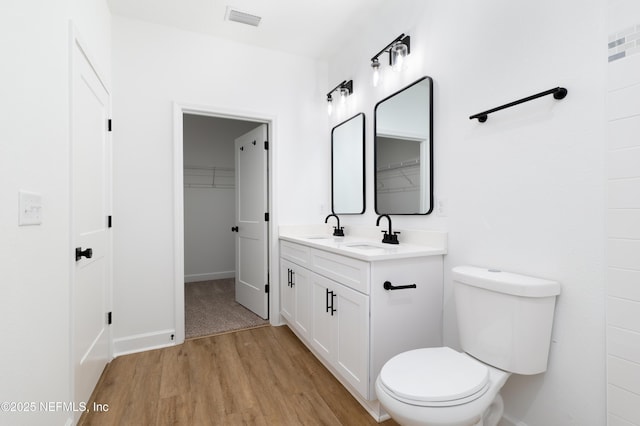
(88, 253)
(234, 229)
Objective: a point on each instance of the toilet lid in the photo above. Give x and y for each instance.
(435, 375)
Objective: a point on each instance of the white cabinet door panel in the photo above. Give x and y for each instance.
(352, 355)
(287, 293)
(302, 287)
(322, 322)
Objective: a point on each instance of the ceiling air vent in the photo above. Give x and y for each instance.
(242, 17)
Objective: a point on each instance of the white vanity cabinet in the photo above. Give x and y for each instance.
(339, 308)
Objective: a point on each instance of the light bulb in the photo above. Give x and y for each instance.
(399, 52)
(343, 95)
(329, 106)
(376, 72)
(399, 63)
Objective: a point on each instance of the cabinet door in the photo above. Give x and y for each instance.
(302, 300)
(287, 292)
(322, 320)
(340, 330)
(352, 338)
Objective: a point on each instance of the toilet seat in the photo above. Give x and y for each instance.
(434, 377)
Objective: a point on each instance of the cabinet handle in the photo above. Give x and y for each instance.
(330, 307)
(388, 286)
(290, 277)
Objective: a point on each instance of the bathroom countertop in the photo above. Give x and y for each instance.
(362, 246)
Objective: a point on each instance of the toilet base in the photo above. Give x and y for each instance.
(491, 417)
(493, 414)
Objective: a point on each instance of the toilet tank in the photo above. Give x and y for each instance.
(505, 319)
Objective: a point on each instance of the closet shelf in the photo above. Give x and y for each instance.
(402, 176)
(400, 165)
(209, 177)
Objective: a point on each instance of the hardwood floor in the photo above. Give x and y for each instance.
(262, 376)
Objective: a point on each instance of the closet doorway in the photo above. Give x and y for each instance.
(214, 288)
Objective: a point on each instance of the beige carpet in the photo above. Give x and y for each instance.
(210, 308)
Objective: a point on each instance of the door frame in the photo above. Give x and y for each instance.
(179, 109)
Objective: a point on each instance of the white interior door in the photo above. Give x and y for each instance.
(251, 224)
(90, 202)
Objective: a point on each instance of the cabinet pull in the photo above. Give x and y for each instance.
(388, 286)
(293, 278)
(327, 300)
(290, 278)
(330, 306)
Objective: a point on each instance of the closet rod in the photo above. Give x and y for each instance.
(558, 93)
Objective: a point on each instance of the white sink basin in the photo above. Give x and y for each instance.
(365, 246)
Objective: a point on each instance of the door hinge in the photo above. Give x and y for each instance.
(109, 223)
(266, 288)
(109, 125)
(109, 318)
(266, 217)
(266, 145)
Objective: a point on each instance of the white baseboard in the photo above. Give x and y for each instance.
(191, 278)
(144, 342)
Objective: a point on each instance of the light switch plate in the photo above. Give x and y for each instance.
(30, 208)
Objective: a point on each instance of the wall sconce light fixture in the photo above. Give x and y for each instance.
(398, 50)
(344, 89)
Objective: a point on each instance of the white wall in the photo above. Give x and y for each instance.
(35, 261)
(153, 66)
(525, 190)
(209, 205)
(623, 214)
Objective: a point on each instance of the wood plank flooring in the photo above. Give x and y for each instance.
(261, 376)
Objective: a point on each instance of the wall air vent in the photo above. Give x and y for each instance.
(242, 17)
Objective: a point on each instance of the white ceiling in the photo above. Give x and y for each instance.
(311, 28)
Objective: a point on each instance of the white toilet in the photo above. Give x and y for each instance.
(504, 322)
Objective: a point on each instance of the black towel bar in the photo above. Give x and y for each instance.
(558, 93)
(388, 286)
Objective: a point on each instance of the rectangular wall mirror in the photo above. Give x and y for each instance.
(403, 150)
(347, 166)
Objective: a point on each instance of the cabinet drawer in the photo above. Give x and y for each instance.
(351, 272)
(296, 253)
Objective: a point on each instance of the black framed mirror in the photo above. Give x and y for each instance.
(347, 166)
(403, 150)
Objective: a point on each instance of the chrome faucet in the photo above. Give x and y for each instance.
(389, 237)
(338, 231)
